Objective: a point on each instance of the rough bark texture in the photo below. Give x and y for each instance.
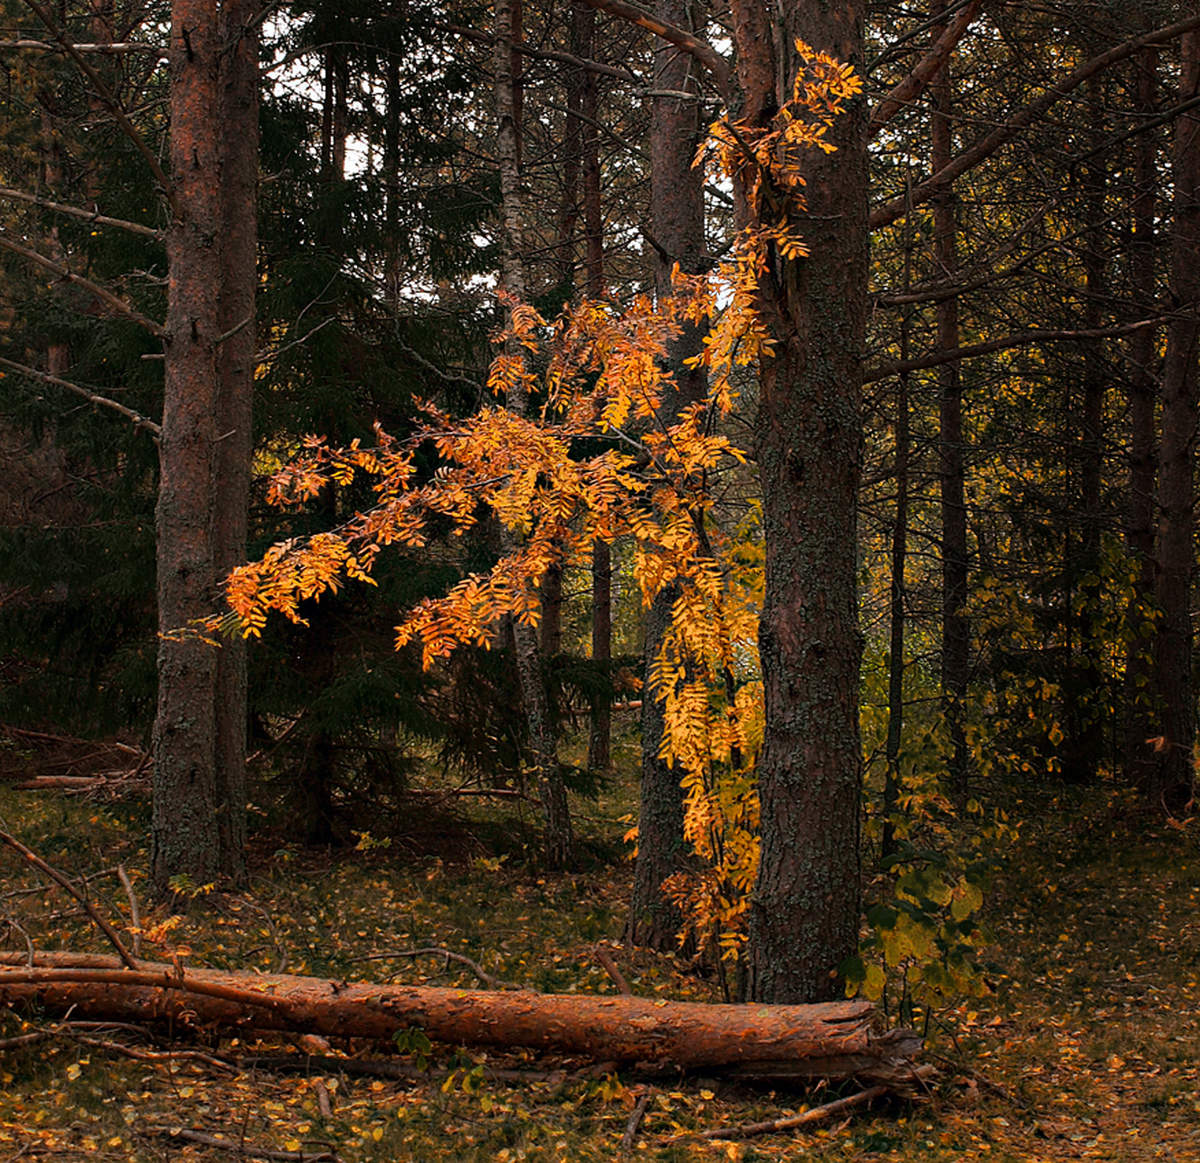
(805, 910)
(1170, 781)
(552, 792)
(677, 228)
(831, 1040)
(955, 630)
(198, 827)
(185, 832)
(1143, 397)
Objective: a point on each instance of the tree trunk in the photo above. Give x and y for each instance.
(896, 603)
(823, 1041)
(198, 823)
(804, 913)
(955, 630)
(1084, 687)
(1171, 779)
(677, 226)
(235, 398)
(1143, 395)
(560, 841)
(185, 831)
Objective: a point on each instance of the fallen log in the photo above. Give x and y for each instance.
(834, 1040)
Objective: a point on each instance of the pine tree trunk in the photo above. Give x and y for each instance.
(897, 602)
(955, 630)
(1171, 780)
(677, 227)
(1084, 688)
(235, 368)
(198, 821)
(1143, 397)
(805, 909)
(552, 792)
(185, 831)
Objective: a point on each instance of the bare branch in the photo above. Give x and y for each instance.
(59, 879)
(1019, 339)
(889, 212)
(78, 212)
(701, 50)
(105, 95)
(138, 420)
(927, 69)
(116, 47)
(118, 305)
(543, 54)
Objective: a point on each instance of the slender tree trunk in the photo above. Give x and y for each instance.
(804, 913)
(560, 841)
(1143, 396)
(1172, 778)
(1084, 685)
(235, 397)
(895, 731)
(198, 823)
(600, 728)
(677, 226)
(955, 629)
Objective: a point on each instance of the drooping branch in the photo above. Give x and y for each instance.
(115, 302)
(927, 69)
(1019, 339)
(685, 41)
(136, 418)
(78, 212)
(106, 96)
(890, 211)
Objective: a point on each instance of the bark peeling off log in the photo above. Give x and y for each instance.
(826, 1040)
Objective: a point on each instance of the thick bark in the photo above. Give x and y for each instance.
(185, 833)
(1171, 779)
(552, 792)
(198, 824)
(955, 629)
(831, 1040)
(805, 910)
(677, 227)
(1143, 396)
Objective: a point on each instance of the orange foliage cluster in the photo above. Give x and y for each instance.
(599, 380)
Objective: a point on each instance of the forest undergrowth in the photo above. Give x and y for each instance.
(1086, 1045)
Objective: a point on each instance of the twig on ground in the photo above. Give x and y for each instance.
(135, 915)
(816, 1114)
(436, 951)
(38, 863)
(156, 1056)
(382, 1068)
(241, 1147)
(635, 1121)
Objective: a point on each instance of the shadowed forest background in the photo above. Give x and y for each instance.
(707, 520)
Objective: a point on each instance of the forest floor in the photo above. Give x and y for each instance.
(1086, 1047)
